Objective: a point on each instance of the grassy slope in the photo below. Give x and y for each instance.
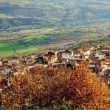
(25, 45)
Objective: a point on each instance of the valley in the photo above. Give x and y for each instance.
(30, 25)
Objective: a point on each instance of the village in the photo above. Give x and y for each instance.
(98, 59)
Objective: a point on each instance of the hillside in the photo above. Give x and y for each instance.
(27, 14)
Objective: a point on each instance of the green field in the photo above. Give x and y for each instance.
(24, 45)
(10, 48)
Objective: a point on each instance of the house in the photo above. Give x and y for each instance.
(66, 54)
(105, 66)
(100, 55)
(94, 67)
(104, 69)
(77, 54)
(39, 59)
(87, 48)
(51, 53)
(107, 76)
(86, 53)
(107, 73)
(106, 51)
(50, 59)
(64, 61)
(55, 65)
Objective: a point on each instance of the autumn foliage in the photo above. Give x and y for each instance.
(47, 87)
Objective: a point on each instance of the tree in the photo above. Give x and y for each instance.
(45, 87)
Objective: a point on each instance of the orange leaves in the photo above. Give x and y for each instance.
(45, 87)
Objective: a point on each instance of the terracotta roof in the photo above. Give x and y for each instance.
(67, 51)
(51, 53)
(105, 48)
(86, 47)
(76, 51)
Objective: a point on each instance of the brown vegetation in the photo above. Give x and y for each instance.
(47, 87)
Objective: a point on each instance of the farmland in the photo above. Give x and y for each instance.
(10, 48)
(30, 40)
(23, 45)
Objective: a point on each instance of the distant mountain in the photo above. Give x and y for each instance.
(16, 15)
